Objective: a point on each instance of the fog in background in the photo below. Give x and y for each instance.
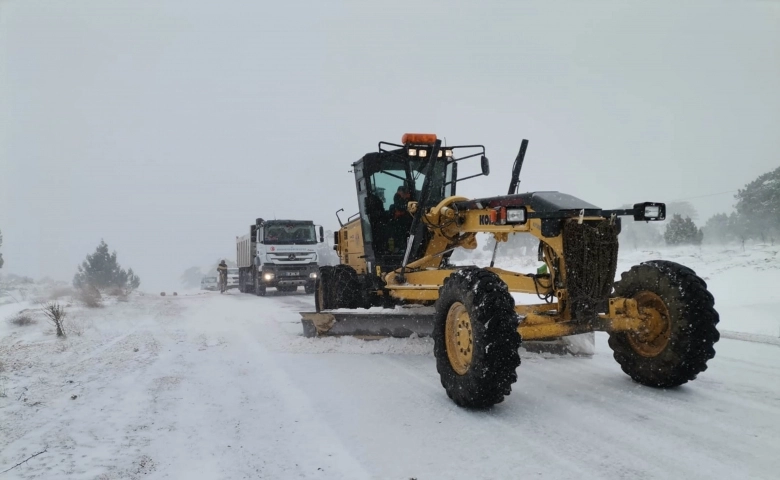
(167, 127)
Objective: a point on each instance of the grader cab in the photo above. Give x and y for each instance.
(395, 277)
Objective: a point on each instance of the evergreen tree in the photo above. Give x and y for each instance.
(721, 228)
(758, 206)
(681, 231)
(101, 270)
(1, 255)
(133, 280)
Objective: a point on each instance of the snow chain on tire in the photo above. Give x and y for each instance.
(347, 289)
(495, 357)
(692, 322)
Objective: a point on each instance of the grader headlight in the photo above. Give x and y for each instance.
(652, 212)
(649, 211)
(516, 215)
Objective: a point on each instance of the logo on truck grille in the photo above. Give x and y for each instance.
(292, 257)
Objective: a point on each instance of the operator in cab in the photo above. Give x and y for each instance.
(401, 219)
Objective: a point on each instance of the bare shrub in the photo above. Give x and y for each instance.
(90, 297)
(22, 319)
(56, 315)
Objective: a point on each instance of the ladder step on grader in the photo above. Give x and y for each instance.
(395, 277)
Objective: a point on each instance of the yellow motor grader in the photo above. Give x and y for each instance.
(395, 276)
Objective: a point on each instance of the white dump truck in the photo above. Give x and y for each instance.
(278, 253)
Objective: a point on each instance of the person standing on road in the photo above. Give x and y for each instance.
(222, 271)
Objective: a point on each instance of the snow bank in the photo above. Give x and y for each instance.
(744, 283)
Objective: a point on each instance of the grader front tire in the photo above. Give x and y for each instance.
(323, 288)
(475, 338)
(681, 325)
(337, 287)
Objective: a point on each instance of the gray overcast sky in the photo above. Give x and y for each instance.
(165, 127)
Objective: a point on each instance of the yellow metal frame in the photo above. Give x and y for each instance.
(458, 229)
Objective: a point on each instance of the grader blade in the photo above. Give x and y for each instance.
(374, 323)
(405, 322)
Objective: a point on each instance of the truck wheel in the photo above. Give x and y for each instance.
(309, 288)
(322, 289)
(681, 332)
(245, 286)
(259, 288)
(475, 338)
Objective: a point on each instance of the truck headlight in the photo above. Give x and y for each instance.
(313, 275)
(515, 215)
(268, 277)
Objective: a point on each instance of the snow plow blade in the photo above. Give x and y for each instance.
(368, 323)
(405, 322)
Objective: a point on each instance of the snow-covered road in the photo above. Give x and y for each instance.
(211, 386)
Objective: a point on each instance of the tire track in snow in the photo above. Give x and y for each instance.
(288, 416)
(750, 337)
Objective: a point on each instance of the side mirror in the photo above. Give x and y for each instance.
(485, 166)
(322, 234)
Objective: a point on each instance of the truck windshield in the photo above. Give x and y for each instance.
(290, 234)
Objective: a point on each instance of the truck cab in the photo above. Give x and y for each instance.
(279, 254)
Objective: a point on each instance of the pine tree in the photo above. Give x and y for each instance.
(681, 231)
(133, 281)
(101, 270)
(720, 228)
(1, 255)
(758, 205)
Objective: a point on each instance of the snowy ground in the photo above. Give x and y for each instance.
(223, 386)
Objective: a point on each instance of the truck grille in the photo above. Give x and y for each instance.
(292, 257)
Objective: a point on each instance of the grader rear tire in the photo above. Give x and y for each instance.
(680, 339)
(475, 338)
